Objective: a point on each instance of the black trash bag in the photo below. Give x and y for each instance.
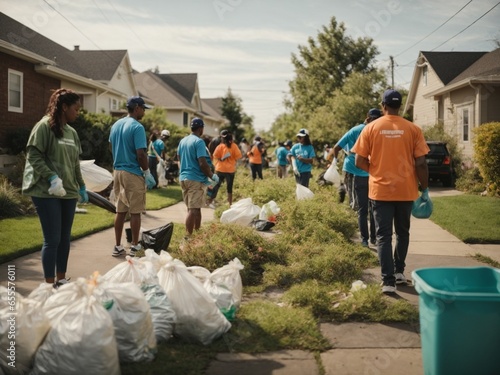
(262, 225)
(100, 201)
(157, 239)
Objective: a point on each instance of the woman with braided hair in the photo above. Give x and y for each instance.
(53, 179)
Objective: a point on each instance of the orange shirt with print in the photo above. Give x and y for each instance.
(254, 155)
(228, 165)
(392, 144)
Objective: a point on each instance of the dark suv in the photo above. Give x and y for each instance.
(440, 163)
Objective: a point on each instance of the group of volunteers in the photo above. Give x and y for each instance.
(383, 165)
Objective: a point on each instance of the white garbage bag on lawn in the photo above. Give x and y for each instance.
(96, 178)
(23, 322)
(268, 210)
(303, 193)
(198, 318)
(241, 212)
(160, 172)
(81, 339)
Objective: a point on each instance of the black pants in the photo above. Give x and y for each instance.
(256, 170)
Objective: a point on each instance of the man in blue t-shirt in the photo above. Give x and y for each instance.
(357, 179)
(131, 172)
(282, 160)
(195, 174)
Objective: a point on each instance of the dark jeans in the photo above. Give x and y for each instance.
(349, 185)
(256, 170)
(303, 179)
(229, 178)
(361, 192)
(56, 218)
(153, 163)
(386, 215)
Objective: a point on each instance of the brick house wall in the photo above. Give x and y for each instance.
(36, 94)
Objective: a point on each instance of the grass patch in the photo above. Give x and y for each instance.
(96, 219)
(471, 218)
(487, 260)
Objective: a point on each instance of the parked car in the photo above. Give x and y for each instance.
(440, 163)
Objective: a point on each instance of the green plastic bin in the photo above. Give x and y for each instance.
(459, 320)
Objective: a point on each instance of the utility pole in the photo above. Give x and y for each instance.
(392, 71)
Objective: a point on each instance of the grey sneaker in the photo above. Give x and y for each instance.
(61, 282)
(118, 250)
(400, 278)
(389, 289)
(135, 249)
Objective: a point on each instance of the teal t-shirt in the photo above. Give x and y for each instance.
(281, 154)
(47, 156)
(158, 145)
(190, 149)
(126, 137)
(347, 143)
(306, 151)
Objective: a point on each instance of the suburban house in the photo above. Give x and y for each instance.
(31, 66)
(179, 94)
(458, 89)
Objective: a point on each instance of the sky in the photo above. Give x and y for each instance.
(246, 45)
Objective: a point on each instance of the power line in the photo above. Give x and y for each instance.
(433, 31)
(460, 32)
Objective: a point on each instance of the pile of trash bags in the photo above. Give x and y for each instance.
(245, 213)
(93, 324)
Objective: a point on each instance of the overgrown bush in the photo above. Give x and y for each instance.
(487, 154)
(12, 203)
(471, 181)
(18, 139)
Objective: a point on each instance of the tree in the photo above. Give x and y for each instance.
(324, 65)
(232, 109)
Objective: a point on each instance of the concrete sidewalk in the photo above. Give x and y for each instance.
(358, 348)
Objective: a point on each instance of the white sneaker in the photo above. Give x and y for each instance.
(389, 289)
(400, 278)
(135, 249)
(118, 250)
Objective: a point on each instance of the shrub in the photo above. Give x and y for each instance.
(18, 139)
(12, 203)
(471, 181)
(487, 154)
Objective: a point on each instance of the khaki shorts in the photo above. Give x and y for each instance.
(130, 192)
(193, 193)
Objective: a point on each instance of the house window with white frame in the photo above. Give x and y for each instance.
(465, 124)
(15, 94)
(114, 105)
(424, 75)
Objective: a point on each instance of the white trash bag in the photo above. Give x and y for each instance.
(96, 178)
(160, 172)
(81, 339)
(229, 275)
(241, 212)
(303, 193)
(131, 318)
(268, 210)
(198, 318)
(332, 174)
(21, 321)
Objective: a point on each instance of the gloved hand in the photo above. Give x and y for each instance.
(56, 186)
(425, 195)
(294, 167)
(214, 180)
(150, 180)
(84, 197)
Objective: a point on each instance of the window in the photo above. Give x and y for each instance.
(465, 121)
(184, 119)
(114, 105)
(15, 98)
(424, 75)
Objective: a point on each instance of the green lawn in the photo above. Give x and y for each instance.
(23, 235)
(472, 218)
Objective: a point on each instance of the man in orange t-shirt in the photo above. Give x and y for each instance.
(392, 150)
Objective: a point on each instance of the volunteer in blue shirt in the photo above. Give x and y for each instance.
(359, 178)
(131, 172)
(301, 156)
(195, 173)
(282, 159)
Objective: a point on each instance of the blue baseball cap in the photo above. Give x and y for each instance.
(392, 98)
(374, 113)
(137, 101)
(197, 123)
